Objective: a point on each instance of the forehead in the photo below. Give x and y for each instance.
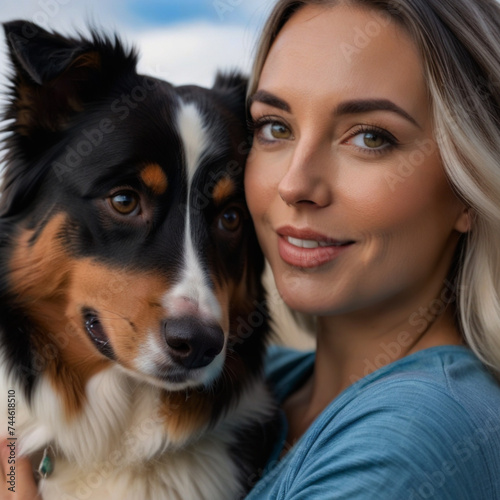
(182, 133)
(348, 51)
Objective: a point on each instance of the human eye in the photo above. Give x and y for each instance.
(372, 140)
(270, 129)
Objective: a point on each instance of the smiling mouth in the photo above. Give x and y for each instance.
(300, 243)
(310, 253)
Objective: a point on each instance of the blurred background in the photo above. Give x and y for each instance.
(183, 41)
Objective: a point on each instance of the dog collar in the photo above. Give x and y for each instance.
(46, 466)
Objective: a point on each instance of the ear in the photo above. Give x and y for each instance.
(234, 87)
(463, 224)
(55, 76)
(32, 51)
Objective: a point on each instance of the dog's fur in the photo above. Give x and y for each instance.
(132, 316)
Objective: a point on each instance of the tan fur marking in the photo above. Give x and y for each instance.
(185, 413)
(40, 277)
(223, 190)
(222, 292)
(127, 304)
(155, 179)
(241, 294)
(52, 288)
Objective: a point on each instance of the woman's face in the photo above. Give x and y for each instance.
(344, 182)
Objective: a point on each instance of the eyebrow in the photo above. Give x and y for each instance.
(267, 98)
(368, 105)
(356, 106)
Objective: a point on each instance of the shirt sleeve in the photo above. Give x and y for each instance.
(400, 442)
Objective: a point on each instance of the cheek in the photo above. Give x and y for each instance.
(259, 195)
(411, 231)
(259, 187)
(384, 199)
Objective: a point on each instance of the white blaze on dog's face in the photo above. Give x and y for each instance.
(192, 298)
(193, 287)
(142, 253)
(182, 341)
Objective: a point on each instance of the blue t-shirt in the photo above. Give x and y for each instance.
(424, 427)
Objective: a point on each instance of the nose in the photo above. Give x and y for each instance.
(192, 343)
(307, 181)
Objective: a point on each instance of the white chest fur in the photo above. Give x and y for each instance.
(118, 448)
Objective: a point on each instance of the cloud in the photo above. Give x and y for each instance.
(66, 15)
(193, 53)
(187, 52)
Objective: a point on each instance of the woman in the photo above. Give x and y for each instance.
(374, 184)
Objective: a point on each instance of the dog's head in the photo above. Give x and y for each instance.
(125, 234)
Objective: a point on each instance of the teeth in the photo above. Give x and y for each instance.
(303, 243)
(310, 243)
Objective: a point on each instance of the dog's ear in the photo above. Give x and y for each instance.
(234, 88)
(37, 54)
(55, 76)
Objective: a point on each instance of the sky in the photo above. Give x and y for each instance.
(182, 41)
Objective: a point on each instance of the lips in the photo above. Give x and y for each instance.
(308, 249)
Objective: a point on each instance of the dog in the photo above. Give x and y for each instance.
(133, 320)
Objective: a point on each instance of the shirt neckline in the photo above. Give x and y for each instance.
(274, 459)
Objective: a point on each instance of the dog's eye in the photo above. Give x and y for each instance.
(126, 203)
(230, 219)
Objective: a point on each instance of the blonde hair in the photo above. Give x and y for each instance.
(459, 41)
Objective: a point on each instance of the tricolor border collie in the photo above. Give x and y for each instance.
(132, 315)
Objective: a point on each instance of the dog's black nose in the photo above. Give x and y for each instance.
(192, 343)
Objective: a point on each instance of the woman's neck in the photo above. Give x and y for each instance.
(350, 347)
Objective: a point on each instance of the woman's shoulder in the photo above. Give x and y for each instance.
(427, 422)
(431, 400)
(446, 389)
(434, 380)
